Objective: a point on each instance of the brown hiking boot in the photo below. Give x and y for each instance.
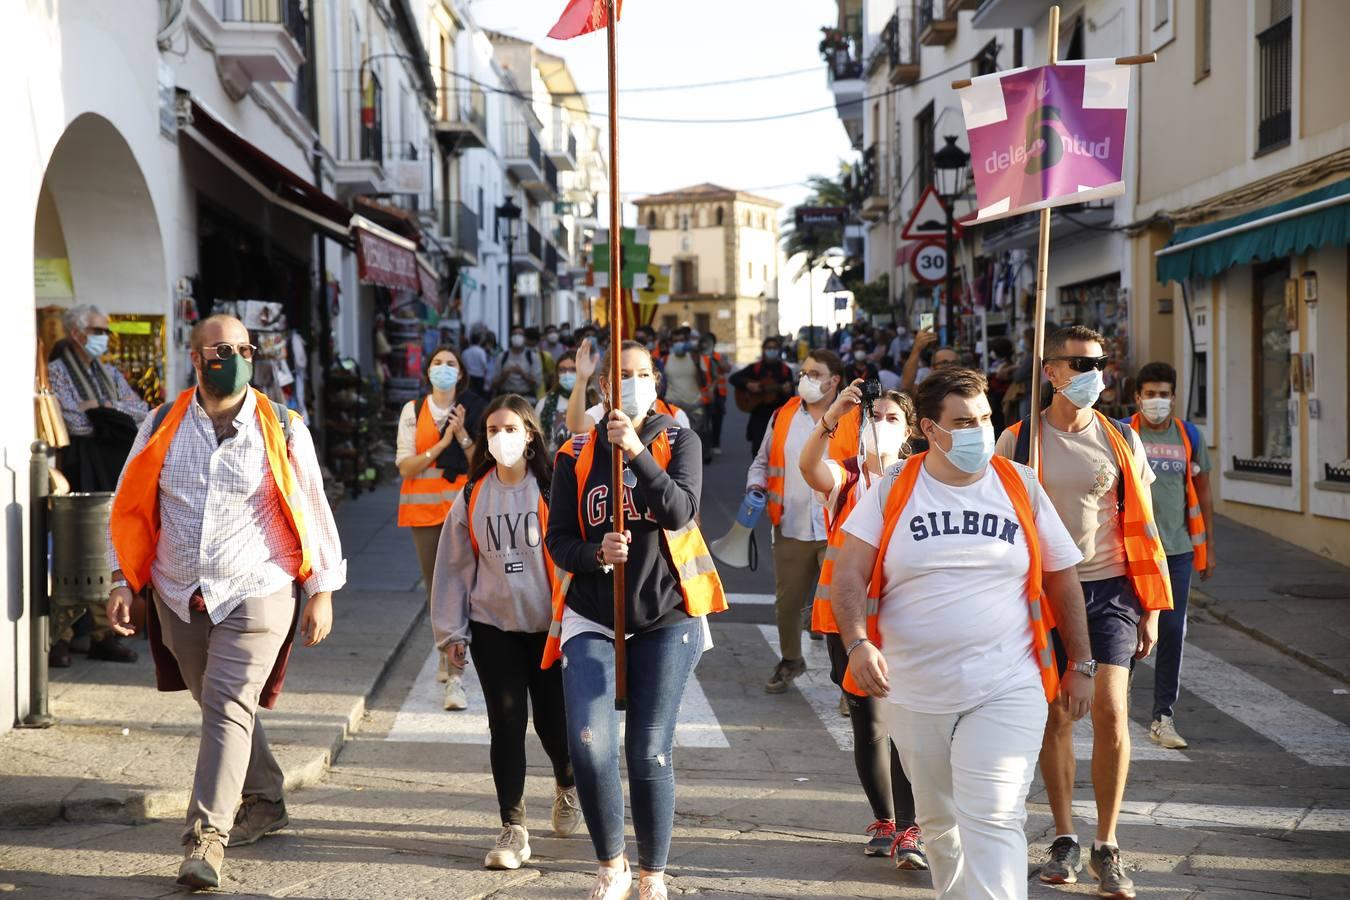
(203, 859)
(784, 674)
(255, 818)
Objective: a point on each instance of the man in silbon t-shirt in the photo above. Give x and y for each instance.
(964, 562)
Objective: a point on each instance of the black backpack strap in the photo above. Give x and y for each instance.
(160, 412)
(283, 414)
(1022, 452)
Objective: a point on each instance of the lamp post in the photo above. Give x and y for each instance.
(509, 213)
(950, 165)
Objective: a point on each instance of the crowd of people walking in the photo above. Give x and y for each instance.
(972, 608)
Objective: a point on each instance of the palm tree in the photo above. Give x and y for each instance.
(815, 241)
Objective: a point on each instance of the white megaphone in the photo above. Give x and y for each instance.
(737, 547)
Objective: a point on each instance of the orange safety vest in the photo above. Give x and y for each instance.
(135, 514)
(426, 498)
(847, 434)
(1195, 521)
(1038, 607)
(717, 371)
(775, 482)
(553, 572)
(1145, 559)
(685, 548)
(822, 613)
(664, 408)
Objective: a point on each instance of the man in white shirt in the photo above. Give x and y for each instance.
(799, 534)
(476, 364)
(224, 515)
(965, 661)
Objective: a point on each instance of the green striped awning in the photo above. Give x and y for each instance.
(1318, 218)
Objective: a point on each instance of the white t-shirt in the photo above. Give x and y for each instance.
(954, 621)
(405, 445)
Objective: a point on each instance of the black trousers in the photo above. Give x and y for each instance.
(878, 763)
(507, 663)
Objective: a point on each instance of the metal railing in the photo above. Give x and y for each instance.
(930, 11)
(900, 41)
(551, 175)
(564, 142)
(1276, 51)
(550, 259)
(265, 12)
(463, 104)
(464, 227)
(1283, 468)
(845, 64)
(523, 143)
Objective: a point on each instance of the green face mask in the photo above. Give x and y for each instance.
(226, 377)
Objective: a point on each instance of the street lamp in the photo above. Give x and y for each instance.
(509, 213)
(950, 165)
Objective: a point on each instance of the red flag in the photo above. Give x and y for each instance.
(584, 16)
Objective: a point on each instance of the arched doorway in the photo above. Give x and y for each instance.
(97, 239)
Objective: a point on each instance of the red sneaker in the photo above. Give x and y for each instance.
(908, 850)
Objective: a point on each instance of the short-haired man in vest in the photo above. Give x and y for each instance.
(1184, 510)
(220, 515)
(1097, 476)
(798, 516)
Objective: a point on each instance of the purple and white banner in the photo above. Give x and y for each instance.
(1047, 136)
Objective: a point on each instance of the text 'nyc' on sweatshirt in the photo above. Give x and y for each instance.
(506, 585)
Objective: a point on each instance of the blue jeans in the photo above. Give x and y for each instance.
(660, 663)
(1171, 636)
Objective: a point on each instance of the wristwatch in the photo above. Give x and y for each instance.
(1088, 668)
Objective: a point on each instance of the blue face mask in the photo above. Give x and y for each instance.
(567, 381)
(96, 345)
(1084, 389)
(972, 448)
(443, 377)
(680, 348)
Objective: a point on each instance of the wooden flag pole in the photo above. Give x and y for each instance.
(1042, 271)
(615, 343)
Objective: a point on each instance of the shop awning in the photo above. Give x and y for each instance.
(1319, 218)
(384, 258)
(429, 281)
(265, 175)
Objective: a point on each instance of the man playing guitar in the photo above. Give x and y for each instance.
(761, 388)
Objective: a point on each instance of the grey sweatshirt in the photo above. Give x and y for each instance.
(506, 586)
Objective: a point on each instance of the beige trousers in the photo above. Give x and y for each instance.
(796, 569)
(427, 538)
(225, 667)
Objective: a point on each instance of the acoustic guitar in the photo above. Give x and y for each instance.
(769, 394)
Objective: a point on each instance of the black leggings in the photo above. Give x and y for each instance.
(507, 663)
(883, 781)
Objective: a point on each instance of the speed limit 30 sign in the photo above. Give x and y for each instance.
(929, 262)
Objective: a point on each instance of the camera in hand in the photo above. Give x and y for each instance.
(871, 392)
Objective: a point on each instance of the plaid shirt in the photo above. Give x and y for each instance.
(63, 386)
(222, 530)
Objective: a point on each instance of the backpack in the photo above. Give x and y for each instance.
(283, 414)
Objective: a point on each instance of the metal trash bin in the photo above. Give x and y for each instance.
(80, 576)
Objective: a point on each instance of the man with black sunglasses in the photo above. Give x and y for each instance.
(1097, 476)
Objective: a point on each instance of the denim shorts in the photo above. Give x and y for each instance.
(1113, 615)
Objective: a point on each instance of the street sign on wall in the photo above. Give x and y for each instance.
(821, 216)
(929, 262)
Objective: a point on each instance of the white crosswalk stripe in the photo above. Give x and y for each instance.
(1312, 736)
(421, 719)
(820, 692)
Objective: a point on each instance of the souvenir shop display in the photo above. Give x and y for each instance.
(137, 347)
(352, 406)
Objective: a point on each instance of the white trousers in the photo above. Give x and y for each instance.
(971, 771)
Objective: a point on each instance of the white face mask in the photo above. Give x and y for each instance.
(890, 437)
(1156, 409)
(637, 396)
(507, 447)
(810, 390)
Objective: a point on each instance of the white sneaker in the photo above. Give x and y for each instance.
(566, 811)
(612, 884)
(512, 849)
(455, 698)
(1164, 733)
(652, 887)
(443, 669)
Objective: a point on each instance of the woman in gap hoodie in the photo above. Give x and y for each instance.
(491, 589)
(670, 584)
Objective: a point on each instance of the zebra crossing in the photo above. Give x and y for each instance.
(1307, 734)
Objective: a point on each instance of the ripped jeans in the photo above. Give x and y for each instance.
(660, 663)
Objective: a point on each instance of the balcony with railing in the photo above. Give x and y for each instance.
(358, 164)
(550, 261)
(937, 27)
(551, 176)
(525, 158)
(527, 248)
(875, 203)
(562, 147)
(841, 48)
(461, 117)
(460, 224)
(253, 40)
(1275, 92)
(956, 6)
(899, 47)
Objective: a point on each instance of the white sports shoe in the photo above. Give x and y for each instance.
(512, 849)
(612, 884)
(652, 887)
(455, 698)
(1164, 733)
(566, 811)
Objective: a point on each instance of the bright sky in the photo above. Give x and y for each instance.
(677, 43)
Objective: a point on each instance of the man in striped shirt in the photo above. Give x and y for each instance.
(222, 515)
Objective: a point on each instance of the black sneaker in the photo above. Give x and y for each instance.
(783, 675)
(881, 835)
(1066, 859)
(1104, 865)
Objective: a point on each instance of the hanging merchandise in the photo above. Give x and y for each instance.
(351, 408)
(138, 348)
(300, 356)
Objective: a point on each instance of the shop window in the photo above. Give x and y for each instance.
(1271, 437)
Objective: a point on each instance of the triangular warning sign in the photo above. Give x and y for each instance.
(929, 219)
(834, 285)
